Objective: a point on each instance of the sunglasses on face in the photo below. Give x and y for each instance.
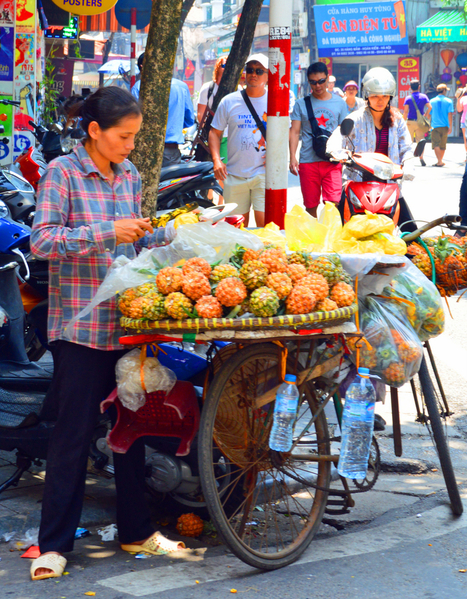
(251, 70)
(319, 82)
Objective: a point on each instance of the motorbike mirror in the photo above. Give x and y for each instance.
(420, 148)
(347, 126)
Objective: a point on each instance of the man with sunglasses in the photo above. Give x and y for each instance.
(317, 176)
(244, 174)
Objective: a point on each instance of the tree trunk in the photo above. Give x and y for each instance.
(186, 7)
(105, 56)
(240, 49)
(160, 53)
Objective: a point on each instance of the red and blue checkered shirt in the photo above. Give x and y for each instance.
(74, 230)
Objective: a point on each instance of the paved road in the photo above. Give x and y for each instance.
(400, 540)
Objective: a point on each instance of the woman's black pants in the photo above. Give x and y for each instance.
(83, 377)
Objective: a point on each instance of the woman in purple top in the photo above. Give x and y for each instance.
(410, 112)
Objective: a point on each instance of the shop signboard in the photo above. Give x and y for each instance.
(328, 62)
(408, 69)
(361, 29)
(84, 7)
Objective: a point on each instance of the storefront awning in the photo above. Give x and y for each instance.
(444, 26)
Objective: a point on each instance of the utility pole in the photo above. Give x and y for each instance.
(280, 45)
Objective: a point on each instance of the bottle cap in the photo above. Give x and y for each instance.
(364, 371)
(290, 378)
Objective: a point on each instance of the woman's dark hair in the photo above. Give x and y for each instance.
(389, 116)
(107, 106)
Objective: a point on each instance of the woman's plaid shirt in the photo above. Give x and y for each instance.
(74, 230)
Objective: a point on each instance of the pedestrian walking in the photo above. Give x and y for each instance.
(461, 95)
(417, 109)
(244, 113)
(441, 121)
(332, 87)
(318, 176)
(181, 115)
(350, 97)
(88, 214)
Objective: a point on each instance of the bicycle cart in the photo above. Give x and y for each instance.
(268, 505)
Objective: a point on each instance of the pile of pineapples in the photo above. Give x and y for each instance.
(450, 258)
(266, 283)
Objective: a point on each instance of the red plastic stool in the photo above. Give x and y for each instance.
(175, 415)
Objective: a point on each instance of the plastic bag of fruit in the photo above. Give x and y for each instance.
(134, 370)
(411, 296)
(390, 349)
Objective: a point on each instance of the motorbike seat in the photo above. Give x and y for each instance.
(185, 170)
(19, 409)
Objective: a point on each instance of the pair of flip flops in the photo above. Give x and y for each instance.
(157, 544)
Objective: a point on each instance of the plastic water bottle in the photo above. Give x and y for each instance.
(285, 412)
(357, 426)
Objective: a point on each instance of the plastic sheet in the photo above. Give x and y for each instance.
(213, 243)
(395, 351)
(132, 372)
(303, 231)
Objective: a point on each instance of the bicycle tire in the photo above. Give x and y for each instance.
(442, 447)
(260, 507)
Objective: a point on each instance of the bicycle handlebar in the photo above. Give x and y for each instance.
(447, 219)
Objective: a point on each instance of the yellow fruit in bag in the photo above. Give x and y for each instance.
(270, 234)
(303, 231)
(365, 225)
(186, 219)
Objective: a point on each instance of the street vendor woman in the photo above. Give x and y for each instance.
(88, 214)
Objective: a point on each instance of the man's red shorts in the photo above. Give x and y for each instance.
(318, 178)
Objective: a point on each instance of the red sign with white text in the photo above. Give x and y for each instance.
(408, 69)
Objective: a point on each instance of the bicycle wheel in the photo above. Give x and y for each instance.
(440, 438)
(278, 511)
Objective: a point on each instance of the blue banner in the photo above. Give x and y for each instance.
(363, 29)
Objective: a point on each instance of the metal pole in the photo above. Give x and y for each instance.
(133, 47)
(280, 44)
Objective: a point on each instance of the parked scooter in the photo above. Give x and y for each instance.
(379, 190)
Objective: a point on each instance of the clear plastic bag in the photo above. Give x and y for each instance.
(415, 298)
(394, 351)
(133, 370)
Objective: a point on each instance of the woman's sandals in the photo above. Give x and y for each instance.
(51, 561)
(157, 544)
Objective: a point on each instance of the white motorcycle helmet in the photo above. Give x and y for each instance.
(378, 82)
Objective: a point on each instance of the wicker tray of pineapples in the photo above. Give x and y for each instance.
(255, 290)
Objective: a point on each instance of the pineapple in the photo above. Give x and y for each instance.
(299, 258)
(296, 272)
(408, 351)
(146, 288)
(195, 285)
(244, 307)
(250, 255)
(253, 274)
(169, 280)
(231, 292)
(394, 375)
(223, 271)
(275, 259)
(153, 306)
(178, 306)
(197, 264)
(264, 302)
(125, 299)
(209, 307)
(342, 294)
(326, 305)
(329, 267)
(317, 283)
(423, 262)
(280, 283)
(300, 301)
(136, 308)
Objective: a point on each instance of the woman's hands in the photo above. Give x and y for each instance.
(129, 230)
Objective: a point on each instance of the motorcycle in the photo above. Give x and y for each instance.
(379, 190)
